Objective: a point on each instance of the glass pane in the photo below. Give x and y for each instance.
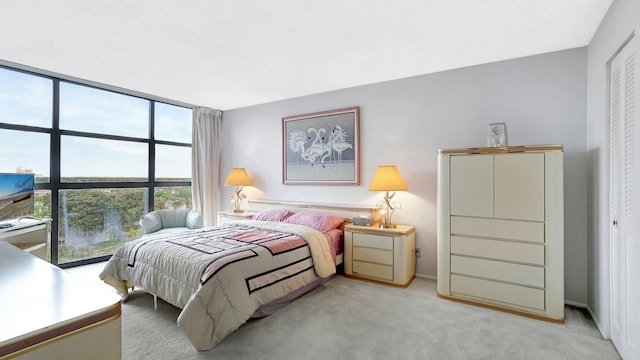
(98, 160)
(173, 163)
(177, 197)
(23, 151)
(83, 108)
(95, 222)
(25, 99)
(173, 123)
(43, 204)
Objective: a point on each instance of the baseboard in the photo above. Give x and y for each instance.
(576, 304)
(424, 276)
(604, 332)
(587, 308)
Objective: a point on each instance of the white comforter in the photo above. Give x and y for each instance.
(218, 296)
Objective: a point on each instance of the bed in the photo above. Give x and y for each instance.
(223, 275)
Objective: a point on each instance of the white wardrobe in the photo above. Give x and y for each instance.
(501, 228)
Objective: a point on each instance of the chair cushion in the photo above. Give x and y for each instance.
(173, 217)
(150, 223)
(194, 220)
(172, 230)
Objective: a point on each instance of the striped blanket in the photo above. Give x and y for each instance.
(220, 275)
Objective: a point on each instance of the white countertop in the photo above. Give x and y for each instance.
(38, 297)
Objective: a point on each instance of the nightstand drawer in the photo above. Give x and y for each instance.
(373, 241)
(384, 272)
(373, 255)
(385, 255)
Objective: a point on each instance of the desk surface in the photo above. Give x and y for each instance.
(20, 226)
(41, 301)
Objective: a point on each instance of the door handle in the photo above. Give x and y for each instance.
(615, 222)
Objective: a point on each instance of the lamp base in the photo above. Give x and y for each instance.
(388, 226)
(237, 211)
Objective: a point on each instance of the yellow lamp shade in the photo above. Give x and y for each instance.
(387, 178)
(238, 177)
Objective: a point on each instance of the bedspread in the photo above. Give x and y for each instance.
(220, 275)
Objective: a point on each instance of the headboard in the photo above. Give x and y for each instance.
(345, 211)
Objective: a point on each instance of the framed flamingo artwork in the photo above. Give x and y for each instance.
(322, 148)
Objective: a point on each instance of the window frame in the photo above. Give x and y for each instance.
(55, 184)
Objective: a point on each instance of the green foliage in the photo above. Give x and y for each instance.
(133, 234)
(43, 204)
(84, 209)
(67, 253)
(173, 197)
(108, 215)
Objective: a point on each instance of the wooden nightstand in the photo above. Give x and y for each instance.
(381, 255)
(228, 215)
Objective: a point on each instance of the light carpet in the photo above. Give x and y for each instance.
(351, 319)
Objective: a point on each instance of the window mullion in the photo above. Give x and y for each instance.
(54, 170)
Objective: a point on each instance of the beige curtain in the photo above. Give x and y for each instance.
(205, 155)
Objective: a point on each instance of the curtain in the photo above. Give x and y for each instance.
(205, 154)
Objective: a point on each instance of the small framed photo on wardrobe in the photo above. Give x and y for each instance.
(497, 135)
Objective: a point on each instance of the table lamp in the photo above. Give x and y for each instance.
(387, 178)
(238, 177)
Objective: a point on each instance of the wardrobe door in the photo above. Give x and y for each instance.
(519, 186)
(472, 185)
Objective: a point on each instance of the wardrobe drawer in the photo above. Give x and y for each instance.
(373, 255)
(497, 270)
(498, 228)
(496, 291)
(384, 272)
(373, 241)
(498, 249)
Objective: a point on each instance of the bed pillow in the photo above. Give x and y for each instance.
(336, 240)
(272, 215)
(319, 221)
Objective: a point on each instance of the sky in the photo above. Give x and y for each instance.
(26, 99)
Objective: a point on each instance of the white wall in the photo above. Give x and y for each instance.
(622, 19)
(405, 122)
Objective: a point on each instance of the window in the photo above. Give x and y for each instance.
(173, 123)
(94, 222)
(25, 99)
(85, 159)
(95, 159)
(174, 197)
(92, 110)
(173, 163)
(172, 156)
(25, 151)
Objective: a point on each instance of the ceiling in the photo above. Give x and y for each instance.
(227, 54)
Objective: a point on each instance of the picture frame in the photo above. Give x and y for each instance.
(497, 135)
(322, 148)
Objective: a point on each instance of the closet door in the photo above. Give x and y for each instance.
(519, 186)
(472, 185)
(624, 212)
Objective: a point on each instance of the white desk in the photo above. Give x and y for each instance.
(30, 235)
(49, 314)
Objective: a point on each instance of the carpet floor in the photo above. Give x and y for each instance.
(351, 319)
